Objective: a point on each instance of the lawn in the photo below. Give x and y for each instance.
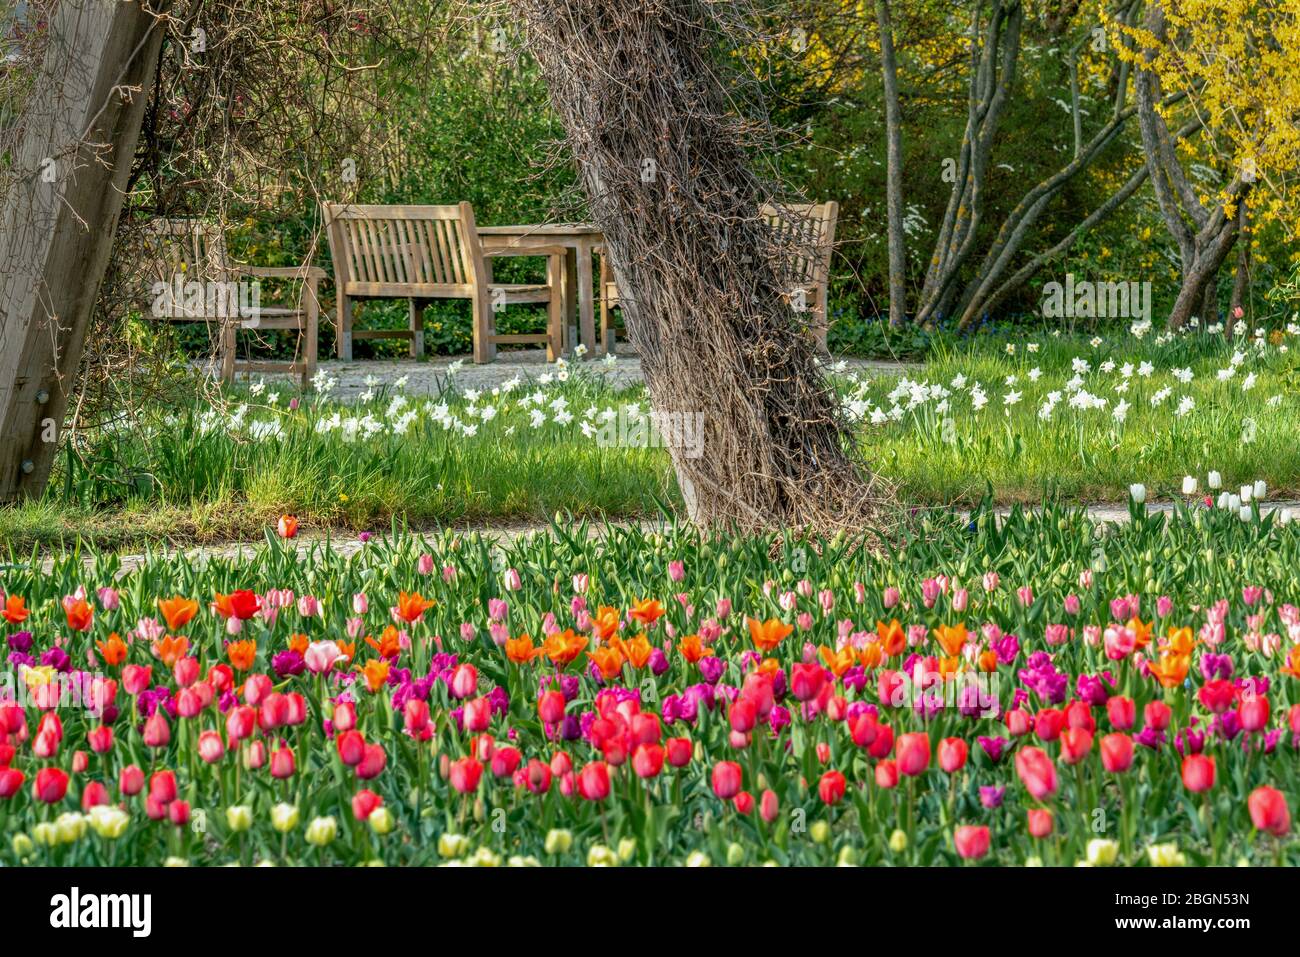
(1074, 417)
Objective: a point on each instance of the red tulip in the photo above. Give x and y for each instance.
(136, 679)
(593, 781)
(131, 781)
(913, 753)
(644, 729)
(831, 787)
(769, 806)
(1157, 715)
(648, 760)
(1078, 714)
(1198, 772)
(550, 707)
(296, 707)
(93, 795)
(1268, 811)
(1116, 752)
(1036, 772)
(1040, 822)
(1254, 713)
(186, 671)
(365, 803)
(1217, 695)
(254, 755)
(561, 764)
(1076, 744)
(373, 761)
(12, 720)
(537, 776)
(157, 734)
(952, 754)
(743, 803)
(100, 739)
(504, 761)
(256, 688)
(80, 761)
(477, 714)
(744, 715)
(162, 787)
(883, 746)
(464, 681)
(726, 779)
(464, 774)
(1048, 724)
(211, 747)
(351, 747)
(282, 763)
(864, 730)
(806, 680)
(1121, 711)
(240, 723)
(179, 813)
(679, 752)
(886, 774)
(345, 716)
(11, 782)
(1018, 722)
(972, 842)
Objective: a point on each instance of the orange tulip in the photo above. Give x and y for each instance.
(606, 622)
(299, 643)
(177, 612)
(872, 655)
(520, 650)
(347, 649)
(893, 640)
(169, 649)
(15, 610)
(768, 634)
(79, 615)
(988, 661)
(389, 644)
(609, 660)
(637, 651)
(1171, 670)
(287, 526)
(647, 611)
(1143, 632)
(112, 650)
(411, 607)
(951, 638)
(564, 646)
(692, 648)
(242, 654)
(375, 673)
(1179, 642)
(838, 661)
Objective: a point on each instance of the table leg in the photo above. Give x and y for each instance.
(571, 294)
(586, 308)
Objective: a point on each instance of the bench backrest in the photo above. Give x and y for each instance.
(183, 251)
(421, 251)
(804, 235)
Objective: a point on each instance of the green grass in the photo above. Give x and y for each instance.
(205, 473)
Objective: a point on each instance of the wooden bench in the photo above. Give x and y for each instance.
(423, 253)
(806, 235)
(186, 251)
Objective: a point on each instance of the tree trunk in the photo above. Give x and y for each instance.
(704, 291)
(59, 214)
(893, 170)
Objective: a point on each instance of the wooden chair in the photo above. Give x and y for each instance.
(805, 231)
(422, 253)
(186, 251)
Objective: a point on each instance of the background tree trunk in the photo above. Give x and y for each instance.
(59, 214)
(706, 297)
(893, 170)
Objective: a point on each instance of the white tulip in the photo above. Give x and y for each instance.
(1261, 490)
(1246, 492)
(1138, 492)
(1223, 500)
(1246, 513)
(1234, 502)
(1189, 484)
(1214, 480)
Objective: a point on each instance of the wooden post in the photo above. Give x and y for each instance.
(59, 215)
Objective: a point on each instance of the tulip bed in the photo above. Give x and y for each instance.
(1019, 690)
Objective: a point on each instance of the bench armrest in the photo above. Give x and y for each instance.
(524, 251)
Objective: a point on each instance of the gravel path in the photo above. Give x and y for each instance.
(429, 376)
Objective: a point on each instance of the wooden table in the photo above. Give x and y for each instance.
(579, 241)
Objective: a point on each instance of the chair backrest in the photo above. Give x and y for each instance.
(804, 236)
(430, 251)
(179, 252)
